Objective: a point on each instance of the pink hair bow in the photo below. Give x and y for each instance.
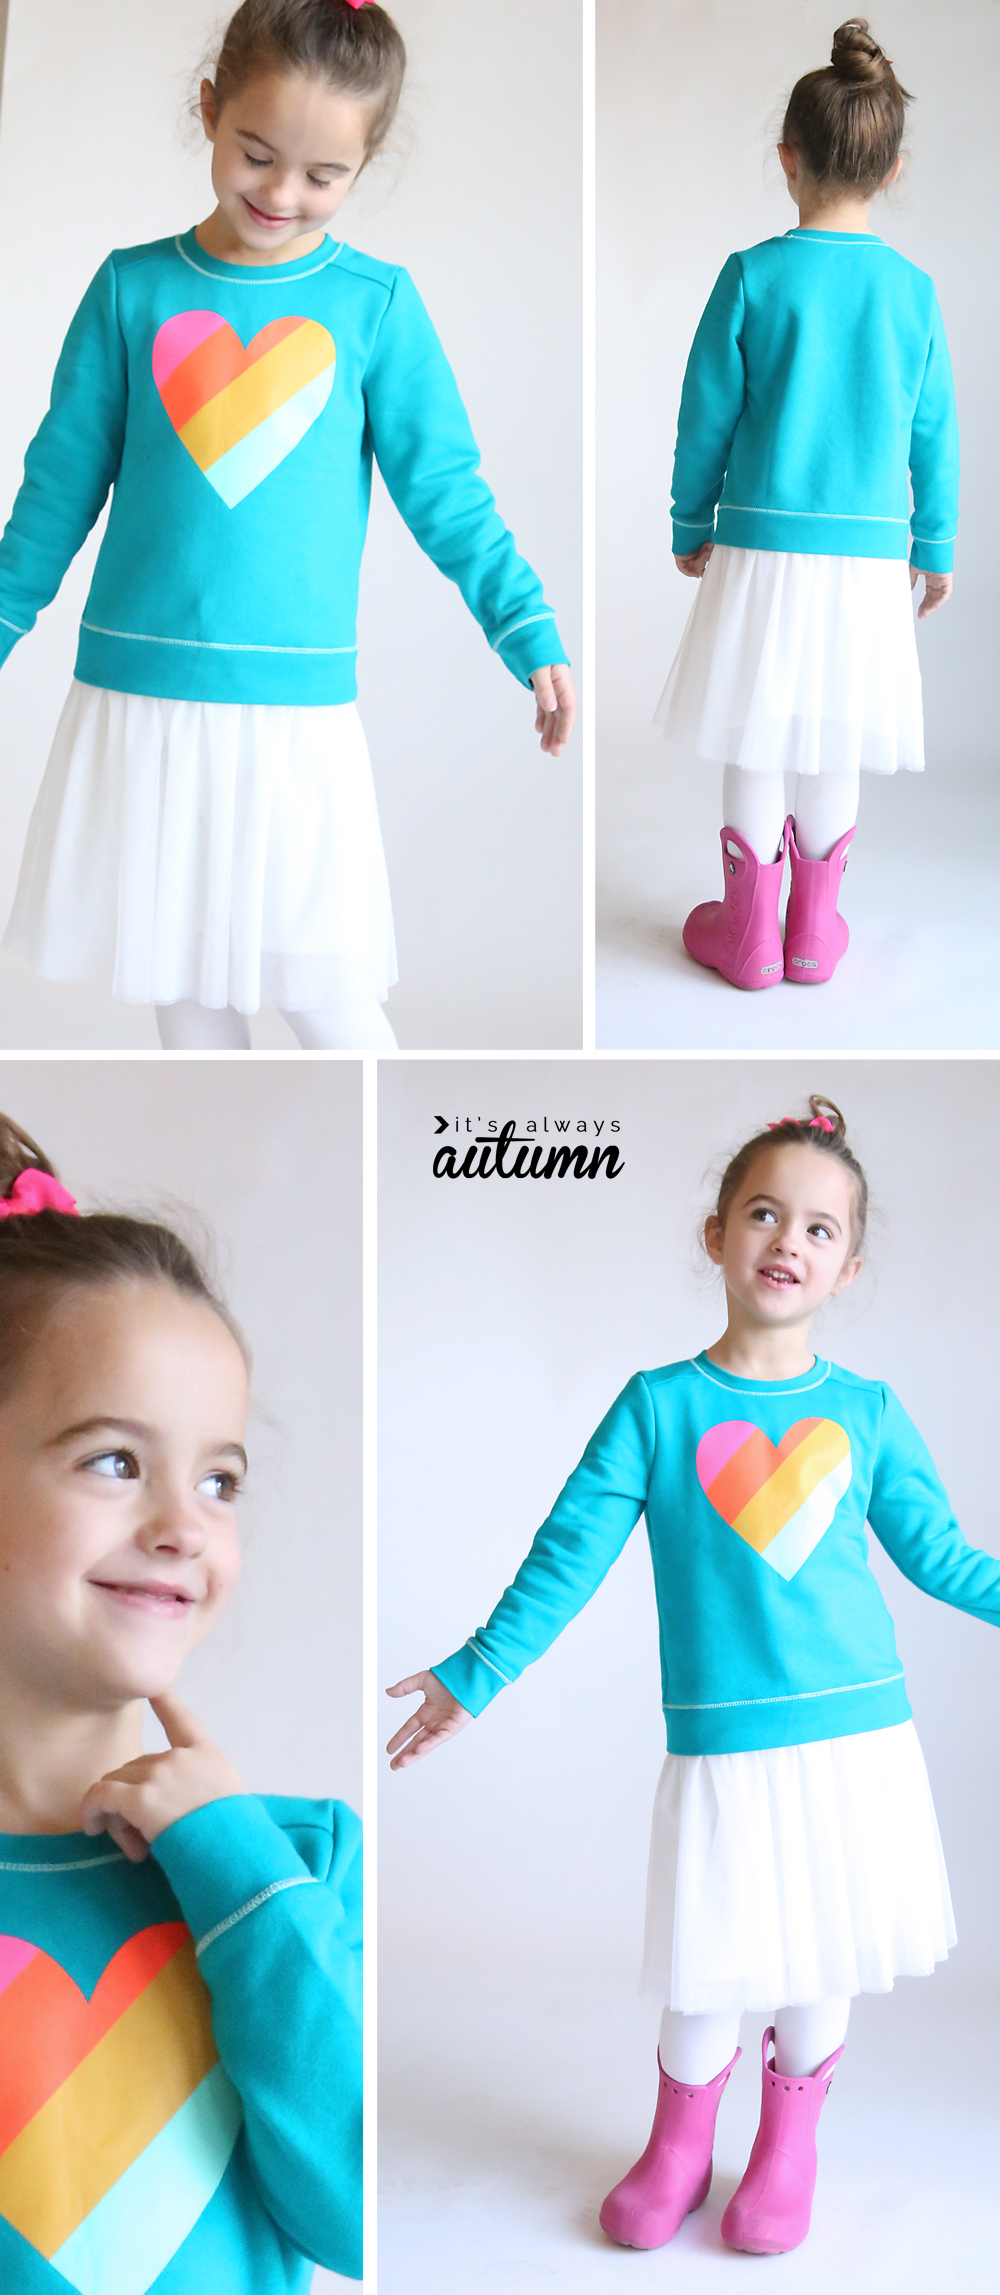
(815, 1124)
(35, 1191)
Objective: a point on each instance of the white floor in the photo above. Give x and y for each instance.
(921, 896)
(506, 2111)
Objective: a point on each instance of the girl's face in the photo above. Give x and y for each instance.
(286, 152)
(786, 1244)
(120, 1460)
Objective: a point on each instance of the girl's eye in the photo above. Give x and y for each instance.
(252, 162)
(762, 1213)
(117, 1465)
(320, 186)
(221, 1485)
(825, 1232)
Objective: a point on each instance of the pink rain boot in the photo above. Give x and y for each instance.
(770, 2211)
(675, 2171)
(815, 936)
(738, 935)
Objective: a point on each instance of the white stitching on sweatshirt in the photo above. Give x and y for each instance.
(214, 645)
(793, 1697)
(255, 280)
(77, 1865)
(297, 1881)
(789, 1392)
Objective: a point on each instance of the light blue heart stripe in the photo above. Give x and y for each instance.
(245, 466)
(125, 2242)
(804, 1529)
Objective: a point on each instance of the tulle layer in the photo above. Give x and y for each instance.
(800, 664)
(795, 1874)
(207, 850)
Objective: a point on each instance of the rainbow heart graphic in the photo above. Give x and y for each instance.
(117, 2120)
(781, 1500)
(240, 412)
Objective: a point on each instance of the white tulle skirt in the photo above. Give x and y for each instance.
(231, 855)
(798, 663)
(796, 1874)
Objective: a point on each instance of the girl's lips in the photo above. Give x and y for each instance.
(780, 1277)
(269, 222)
(155, 1601)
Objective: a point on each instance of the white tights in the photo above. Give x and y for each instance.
(754, 804)
(360, 1027)
(695, 2048)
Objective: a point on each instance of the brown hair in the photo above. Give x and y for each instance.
(48, 1252)
(802, 1131)
(846, 121)
(358, 50)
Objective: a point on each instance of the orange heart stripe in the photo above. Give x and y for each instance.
(241, 412)
(117, 2121)
(780, 1499)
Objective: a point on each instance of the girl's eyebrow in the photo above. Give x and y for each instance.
(139, 1431)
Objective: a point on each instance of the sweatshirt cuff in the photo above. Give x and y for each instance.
(531, 644)
(933, 557)
(472, 1678)
(8, 638)
(222, 1857)
(687, 538)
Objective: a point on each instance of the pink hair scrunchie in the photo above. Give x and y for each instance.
(35, 1191)
(815, 1124)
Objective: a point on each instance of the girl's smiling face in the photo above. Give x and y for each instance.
(787, 1242)
(120, 1460)
(286, 151)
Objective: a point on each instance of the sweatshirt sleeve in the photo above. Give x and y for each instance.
(912, 1518)
(71, 464)
(594, 1515)
(934, 460)
(711, 405)
(279, 1946)
(430, 462)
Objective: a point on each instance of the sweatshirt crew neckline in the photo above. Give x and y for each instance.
(57, 1852)
(803, 1382)
(255, 274)
(857, 238)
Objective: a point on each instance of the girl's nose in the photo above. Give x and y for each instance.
(173, 1526)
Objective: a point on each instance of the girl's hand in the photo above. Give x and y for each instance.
(555, 717)
(136, 1803)
(696, 561)
(438, 1718)
(937, 589)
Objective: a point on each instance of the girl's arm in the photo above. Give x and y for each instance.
(70, 465)
(711, 405)
(595, 1513)
(912, 1518)
(279, 1946)
(934, 462)
(430, 462)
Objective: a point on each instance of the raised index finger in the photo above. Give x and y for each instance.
(177, 1720)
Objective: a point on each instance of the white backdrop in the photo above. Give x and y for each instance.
(262, 1158)
(510, 1316)
(482, 202)
(690, 101)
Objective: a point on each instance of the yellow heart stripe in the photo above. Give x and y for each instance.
(251, 397)
(108, 2110)
(792, 1483)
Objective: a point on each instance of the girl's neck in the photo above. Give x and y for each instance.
(49, 1758)
(750, 1353)
(834, 214)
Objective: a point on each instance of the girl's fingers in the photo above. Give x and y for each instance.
(409, 1687)
(409, 1729)
(544, 690)
(177, 1721)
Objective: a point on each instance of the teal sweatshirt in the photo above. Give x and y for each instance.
(180, 2055)
(818, 378)
(772, 1627)
(235, 411)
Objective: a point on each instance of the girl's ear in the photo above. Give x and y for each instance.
(849, 1270)
(209, 112)
(713, 1234)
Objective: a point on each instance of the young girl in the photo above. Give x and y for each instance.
(180, 2047)
(795, 1856)
(819, 376)
(206, 835)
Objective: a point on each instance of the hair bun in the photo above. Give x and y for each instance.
(19, 1152)
(855, 55)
